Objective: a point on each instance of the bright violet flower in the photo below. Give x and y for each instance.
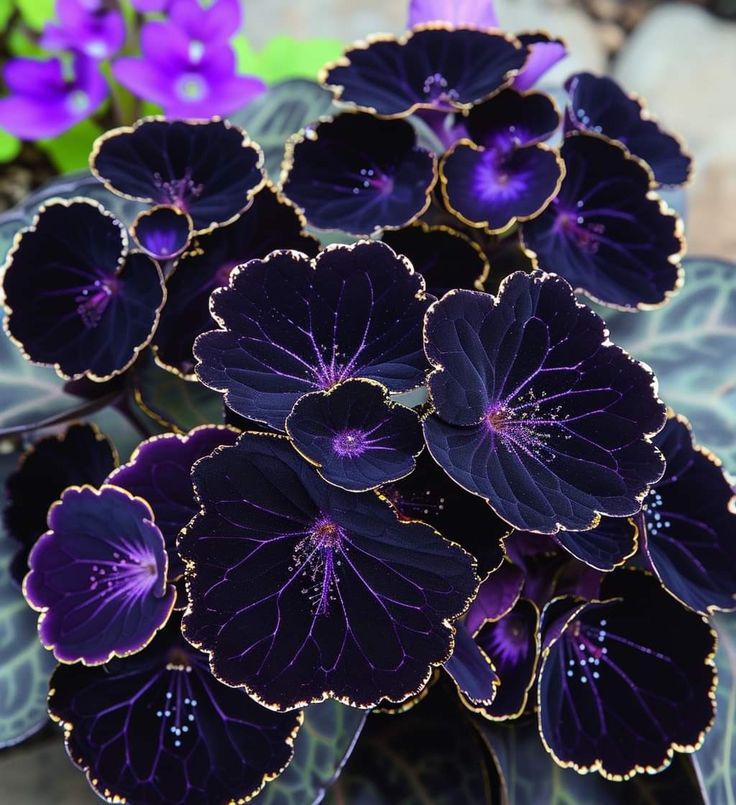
(150, 6)
(213, 25)
(50, 96)
(91, 27)
(188, 79)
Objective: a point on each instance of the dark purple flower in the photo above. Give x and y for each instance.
(688, 523)
(48, 97)
(627, 681)
(208, 169)
(76, 297)
(598, 104)
(212, 24)
(163, 232)
(504, 173)
(355, 436)
(428, 494)
(535, 410)
(159, 472)
(497, 596)
(471, 670)
(510, 642)
(270, 223)
(608, 545)
(359, 174)
(544, 51)
(290, 325)
(434, 68)
(93, 27)
(79, 455)
(605, 232)
(159, 728)
(300, 591)
(446, 258)
(184, 76)
(98, 576)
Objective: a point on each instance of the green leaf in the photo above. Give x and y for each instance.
(9, 146)
(286, 57)
(25, 665)
(689, 342)
(280, 112)
(70, 150)
(322, 746)
(36, 13)
(28, 393)
(532, 777)
(715, 762)
(173, 402)
(430, 755)
(6, 9)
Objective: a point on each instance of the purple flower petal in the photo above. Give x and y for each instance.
(473, 13)
(471, 670)
(429, 68)
(618, 692)
(689, 524)
(290, 326)
(535, 411)
(211, 25)
(159, 473)
(359, 174)
(269, 223)
(76, 297)
(598, 104)
(605, 232)
(497, 596)
(159, 728)
(162, 232)
(98, 576)
(355, 436)
(544, 53)
(301, 591)
(208, 169)
(511, 644)
(94, 29)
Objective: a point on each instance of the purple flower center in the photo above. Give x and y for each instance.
(131, 573)
(350, 443)
(656, 524)
(494, 182)
(372, 178)
(317, 557)
(437, 90)
(510, 641)
(78, 101)
(93, 300)
(585, 650)
(191, 87)
(175, 191)
(178, 710)
(586, 235)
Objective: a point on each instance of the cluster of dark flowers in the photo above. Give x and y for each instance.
(184, 62)
(433, 470)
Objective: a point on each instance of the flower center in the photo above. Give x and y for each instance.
(93, 300)
(437, 90)
(350, 443)
(191, 87)
(78, 101)
(317, 556)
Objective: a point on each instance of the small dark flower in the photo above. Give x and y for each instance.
(605, 232)
(77, 298)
